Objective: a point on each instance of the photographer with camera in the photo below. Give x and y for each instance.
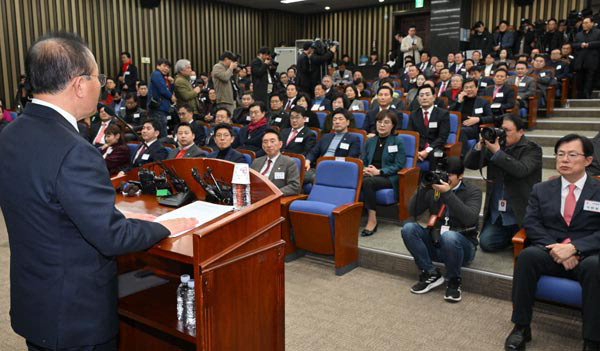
(453, 237)
(261, 75)
(221, 74)
(312, 64)
(514, 165)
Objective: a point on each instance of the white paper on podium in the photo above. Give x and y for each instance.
(200, 210)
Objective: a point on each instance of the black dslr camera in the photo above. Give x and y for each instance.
(321, 46)
(438, 170)
(490, 134)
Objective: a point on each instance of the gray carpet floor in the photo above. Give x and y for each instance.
(369, 310)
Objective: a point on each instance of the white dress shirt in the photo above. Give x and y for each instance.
(564, 190)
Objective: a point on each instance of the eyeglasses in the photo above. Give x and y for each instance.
(570, 155)
(101, 78)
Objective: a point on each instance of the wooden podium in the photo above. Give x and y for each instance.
(236, 261)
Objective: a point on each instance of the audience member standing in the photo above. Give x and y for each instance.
(222, 73)
(161, 94)
(412, 45)
(184, 91)
(587, 43)
(262, 82)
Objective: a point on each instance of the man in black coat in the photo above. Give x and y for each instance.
(586, 45)
(563, 228)
(261, 77)
(481, 39)
(223, 139)
(432, 123)
(474, 110)
(512, 170)
(128, 74)
(59, 206)
(298, 139)
(500, 91)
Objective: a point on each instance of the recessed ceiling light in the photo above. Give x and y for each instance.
(327, 8)
(290, 1)
(381, 0)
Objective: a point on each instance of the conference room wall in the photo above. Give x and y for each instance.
(491, 12)
(196, 30)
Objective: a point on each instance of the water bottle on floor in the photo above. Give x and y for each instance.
(181, 295)
(190, 305)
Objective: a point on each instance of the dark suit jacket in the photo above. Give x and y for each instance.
(482, 84)
(279, 119)
(199, 133)
(252, 141)
(369, 124)
(95, 128)
(481, 109)
(587, 58)
(64, 232)
(545, 78)
(260, 80)
(508, 98)
(526, 86)
(211, 141)
(545, 224)
(231, 155)
(309, 140)
(519, 168)
(290, 184)
(241, 115)
(131, 76)
(118, 158)
(353, 149)
(155, 152)
(435, 136)
(303, 74)
(391, 162)
(193, 151)
(324, 106)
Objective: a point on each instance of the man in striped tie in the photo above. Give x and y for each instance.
(562, 223)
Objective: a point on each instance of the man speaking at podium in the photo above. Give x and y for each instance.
(58, 203)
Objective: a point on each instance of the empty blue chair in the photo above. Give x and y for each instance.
(132, 148)
(454, 148)
(248, 158)
(327, 221)
(321, 116)
(359, 118)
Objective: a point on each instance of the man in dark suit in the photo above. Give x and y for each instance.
(298, 139)
(59, 206)
(320, 102)
(482, 82)
(385, 95)
(459, 66)
(525, 84)
(222, 115)
(425, 66)
(291, 95)
(500, 91)
(563, 228)
(339, 144)
(241, 115)
(187, 116)
(106, 117)
(261, 77)
(185, 143)
(224, 138)
(586, 45)
(303, 75)
(545, 78)
(153, 150)
(281, 170)
(251, 135)
(410, 80)
(474, 109)
(432, 123)
(513, 170)
(277, 117)
(128, 74)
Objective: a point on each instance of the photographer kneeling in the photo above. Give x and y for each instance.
(514, 165)
(453, 238)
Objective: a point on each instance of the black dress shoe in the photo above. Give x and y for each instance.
(517, 338)
(591, 345)
(366, 232)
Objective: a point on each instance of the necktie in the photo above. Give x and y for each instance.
(426, 118)
(181, 153)
(142, 150)
(292, 136)
(443, 89)
(287, 106)
(268, 167)
(518, 80)
(496, 89)
(569, 204)
(100, 135)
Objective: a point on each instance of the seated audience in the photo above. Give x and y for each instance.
(426, 66)
(185, 143)
(341, 76)
(397, 101)
(153, 150)
(482, 82)
(500, 91)
(222, 116)
(456, 83)
(545, 78)
(488, 68)
(277, 117)
(412, 93)
(298, 138)
(320, 102)
(330, 90)
(384, 73)
(457, 242)
(106, 117)
(291, 94)
(142, 95)
(223, 137)
(561, 69)
(339, 144)
(133, 114)
(187, 116)
(474, 110)
(525, 84)
(563, 235)
(312, 118)
(410, 80)
(444, 82)
(208, 106)
(384, 156)
(339, 101)
(114, 151)
(251, 135)
(281, 170)
(384, 99)
(432, 124)
(241, 115)
(351, 93)
(459, 65)
(512, 169)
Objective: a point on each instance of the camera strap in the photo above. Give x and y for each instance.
(481, 157)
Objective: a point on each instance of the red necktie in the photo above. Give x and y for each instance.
(570, 204)
(288, 105)
(181, 153)
(268, 167)
(442, 88)
(292, 136)
(142, 150)
(426, 119)
(100, 133)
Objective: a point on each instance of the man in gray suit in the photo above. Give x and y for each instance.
(280, 169)
(524, 83)
(185, 142)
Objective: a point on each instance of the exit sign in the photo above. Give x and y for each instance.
(418, 3)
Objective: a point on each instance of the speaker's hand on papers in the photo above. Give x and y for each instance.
(179, 225)
(142, 216)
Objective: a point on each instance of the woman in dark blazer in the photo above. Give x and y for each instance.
(384, 156)
(115, 151)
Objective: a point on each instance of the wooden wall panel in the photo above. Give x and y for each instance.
(491, 12)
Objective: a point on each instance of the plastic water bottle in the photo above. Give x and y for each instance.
(181, 295)
(190, 305)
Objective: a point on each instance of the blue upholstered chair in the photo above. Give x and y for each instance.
(403, 118)
(365, 103)
(132, 148)
(453, 146)
(408, 177)
(359, 118)
(362, 135)
(321, 116)
(327, 221)
(249, 155)
(316, 132)
(286, 201)
(559, 290)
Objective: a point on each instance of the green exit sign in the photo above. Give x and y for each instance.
(419, 3)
